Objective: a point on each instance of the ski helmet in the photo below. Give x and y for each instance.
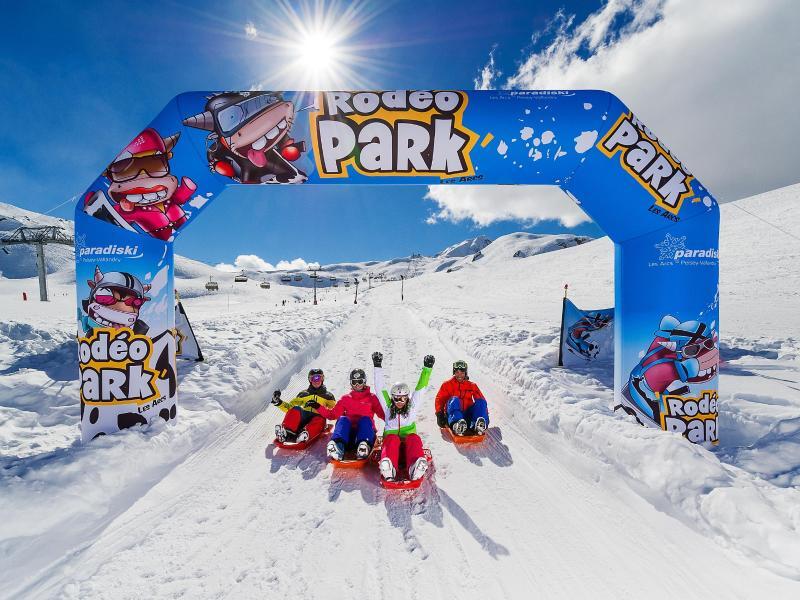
(460, 365)
(358, 376)
(119, 280)
(399, 390)
(313, 372)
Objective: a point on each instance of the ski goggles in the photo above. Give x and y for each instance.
(233, 117)
(109, 299)
(316, 378)
(692, 350)
(399, 398)
(155, 165)
(358, 381)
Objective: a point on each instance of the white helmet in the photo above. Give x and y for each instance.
(399, 389)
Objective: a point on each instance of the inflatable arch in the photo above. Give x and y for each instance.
(664, 223)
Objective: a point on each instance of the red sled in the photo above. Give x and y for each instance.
(301, 445)
(351, 462)
(464, 439)
(406, 483)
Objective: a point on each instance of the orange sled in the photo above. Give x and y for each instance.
(351, 462)
(464, 439)
(406, 483)
(301, 445)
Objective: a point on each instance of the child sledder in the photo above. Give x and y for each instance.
(355, 427)
(461, 406)
(400, 432)
(302, 425)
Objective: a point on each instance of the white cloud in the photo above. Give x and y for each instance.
(292, 265)
(487, 204)
(250, 30)
(488, 74)
(717, 82)
(252, 262)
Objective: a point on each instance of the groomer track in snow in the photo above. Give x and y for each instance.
(522, 514)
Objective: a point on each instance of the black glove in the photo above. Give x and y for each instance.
(276, 398)
(377, 359)
(428, 360)
(312, 404)
(441, 419)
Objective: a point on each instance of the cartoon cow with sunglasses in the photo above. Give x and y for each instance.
(681, 353)
(143, 190)
(249, 137)
(114, 302)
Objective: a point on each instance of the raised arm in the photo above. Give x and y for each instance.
(422, 384)
(378, 381)
(379, 386)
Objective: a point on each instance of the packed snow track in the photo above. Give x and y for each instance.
(523, 515)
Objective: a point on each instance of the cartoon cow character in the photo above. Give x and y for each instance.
(143, 190)
(579, 335)
(679, 355)
(249, 137)
(114, 302)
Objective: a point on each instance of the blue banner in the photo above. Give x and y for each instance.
(587, 336)
(664, 223)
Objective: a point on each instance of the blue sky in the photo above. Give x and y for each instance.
(89, 76)
(79, 80)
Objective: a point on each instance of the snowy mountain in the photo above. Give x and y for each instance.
(465, 248)
(18, 262)
(565, 498)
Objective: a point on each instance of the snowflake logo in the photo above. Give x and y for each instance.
(670, 246)
(80, 240)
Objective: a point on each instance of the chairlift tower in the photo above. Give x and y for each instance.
(39, 237)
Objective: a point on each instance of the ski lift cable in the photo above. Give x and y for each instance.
(765, 221)
(60, 205)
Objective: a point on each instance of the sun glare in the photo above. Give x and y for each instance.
(318, 53)
(315, 47)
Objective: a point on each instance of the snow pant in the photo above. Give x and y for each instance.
(478, 409)
(297, 419)
(411, 445)
(352, 435)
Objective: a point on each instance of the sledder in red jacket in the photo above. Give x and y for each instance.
(460, 404)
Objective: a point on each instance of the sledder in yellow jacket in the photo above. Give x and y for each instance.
(300, 423)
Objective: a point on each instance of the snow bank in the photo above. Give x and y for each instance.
(740, 511)
(59, 492)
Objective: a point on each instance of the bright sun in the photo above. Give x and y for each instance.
(314, 49)
(318, 53)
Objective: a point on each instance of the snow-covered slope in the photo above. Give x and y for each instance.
(453, 258)
(18, 262)
(565, 498)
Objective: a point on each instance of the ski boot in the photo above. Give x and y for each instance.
(418, 469)
(460, 427)
(363, 450)
(280, 433)
(335, 450)
(302, 436)
(480, 426)
(387, 469)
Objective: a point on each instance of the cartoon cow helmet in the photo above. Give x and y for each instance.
(148, 144)
(688, 338)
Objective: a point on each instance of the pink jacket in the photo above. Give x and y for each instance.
(355, 405)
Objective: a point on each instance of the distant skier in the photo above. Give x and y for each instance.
(300, 423)
(354, 413)
(460, 404)
(401, 428)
